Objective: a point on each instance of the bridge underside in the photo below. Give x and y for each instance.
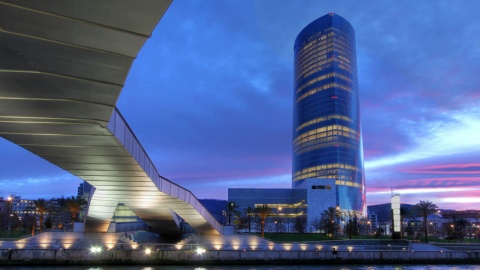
(63, 64)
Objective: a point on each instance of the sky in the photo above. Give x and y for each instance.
(210, 97)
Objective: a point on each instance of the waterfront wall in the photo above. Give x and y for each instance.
(73, 256)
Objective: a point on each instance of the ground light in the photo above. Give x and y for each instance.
(200, 250)
(96, 249)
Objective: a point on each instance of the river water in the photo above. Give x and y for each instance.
(263, 267)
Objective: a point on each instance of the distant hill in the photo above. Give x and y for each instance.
(384, 211)
(215, 207)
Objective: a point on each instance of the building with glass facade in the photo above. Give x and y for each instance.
(327, 139)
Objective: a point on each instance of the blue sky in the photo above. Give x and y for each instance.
(210, 98)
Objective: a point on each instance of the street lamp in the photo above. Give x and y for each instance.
(10, 199)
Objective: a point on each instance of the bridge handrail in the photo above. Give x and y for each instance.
(122, 131)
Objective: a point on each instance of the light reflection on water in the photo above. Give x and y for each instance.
(246, 267)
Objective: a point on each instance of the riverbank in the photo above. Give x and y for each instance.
(56, 248)
(229, 257)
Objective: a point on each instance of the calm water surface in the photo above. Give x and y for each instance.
(266, 267)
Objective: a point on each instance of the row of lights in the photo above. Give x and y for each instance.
(98, 249)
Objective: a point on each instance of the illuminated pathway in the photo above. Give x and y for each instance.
(63, 65)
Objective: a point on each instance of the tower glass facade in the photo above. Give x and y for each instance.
(327, 140)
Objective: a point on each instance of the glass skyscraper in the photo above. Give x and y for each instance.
(327, 139)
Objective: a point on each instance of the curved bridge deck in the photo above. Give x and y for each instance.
(63, 64)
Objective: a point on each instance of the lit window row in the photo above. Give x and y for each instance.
(329, 47)
(323, 143)
(324, 49)
(314, 175)
(321, 40)
(318, 40)
(348, 183)
(313, 45)
(345, 51)
(323, 129)
(306, 67)
(325, 137)
(304, 63)
(328, 167)
(323, 77)
(341, 41)
(344, 58)
(321, 88)
(315, 59)
(319, 66)
(301, 203)
(341, 182)
(302, 60)
(347, 69)
(324, 118)
(338, 177)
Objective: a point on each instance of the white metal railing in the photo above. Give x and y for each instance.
(122, 131)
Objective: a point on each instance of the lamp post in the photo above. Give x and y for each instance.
(10, 199)
(470, 233)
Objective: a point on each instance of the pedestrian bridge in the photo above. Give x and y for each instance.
(63, 64)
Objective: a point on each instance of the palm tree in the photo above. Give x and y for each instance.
(425, 208)
(41, 207)
(404, 212)
(231, 209)
(74, 205)
(329, 217)
(263, 211)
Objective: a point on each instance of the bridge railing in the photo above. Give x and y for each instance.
(122, 131)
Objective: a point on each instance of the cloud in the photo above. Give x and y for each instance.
(210, 96)
(437, 138)
(46, 187)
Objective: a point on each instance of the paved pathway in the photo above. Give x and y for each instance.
(425, 247)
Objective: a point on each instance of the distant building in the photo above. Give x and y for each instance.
(469, 215)
(84, 190)
(80, 189)
(373, 219)
(288, 205)
(21, 206)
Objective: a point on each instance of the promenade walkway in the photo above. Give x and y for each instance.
(424, 247)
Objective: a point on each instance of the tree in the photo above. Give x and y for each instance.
(316, 224)
(424, 209)
(404, 212)
(300, 224)
(460, 227)
(41, 207)
(379, 232)
(231, 210)
(328, 219)
(249, 212)
(278, 225)
(74, 205)
(241, 222)
(352, 226)
(262, 212)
